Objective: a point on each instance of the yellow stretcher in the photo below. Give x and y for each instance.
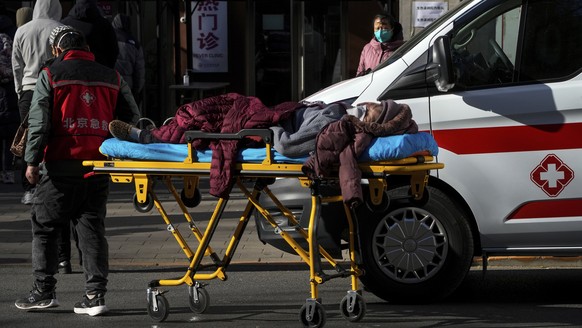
(312, 314)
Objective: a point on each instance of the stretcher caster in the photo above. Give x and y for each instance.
(145, 206)
(158, 306)
(192, 201)
(312, 314)
(421, 201)
(382, 207)
(198, 298)
(353, 306)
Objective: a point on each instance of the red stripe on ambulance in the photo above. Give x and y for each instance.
(510, 138)
(549, 209)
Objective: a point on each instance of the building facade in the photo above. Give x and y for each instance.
(277, 50)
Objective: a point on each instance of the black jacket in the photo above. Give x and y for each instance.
(86, 17)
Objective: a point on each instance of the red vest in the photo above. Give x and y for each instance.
(83, 103)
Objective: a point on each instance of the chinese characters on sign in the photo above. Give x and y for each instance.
(426, 12)
(210, 37)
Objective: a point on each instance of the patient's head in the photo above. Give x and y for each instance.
(373, 111)
(367, 112)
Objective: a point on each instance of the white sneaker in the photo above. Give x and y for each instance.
(28, 197)
(92, 307)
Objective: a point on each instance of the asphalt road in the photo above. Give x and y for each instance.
(271, 296)
(266, 289)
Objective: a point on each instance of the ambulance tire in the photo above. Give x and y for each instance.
(431, 277)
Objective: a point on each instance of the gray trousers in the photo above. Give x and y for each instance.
(83, 203)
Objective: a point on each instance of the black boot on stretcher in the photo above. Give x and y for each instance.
(124, 131)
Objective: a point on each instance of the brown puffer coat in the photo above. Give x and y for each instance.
(345, 140)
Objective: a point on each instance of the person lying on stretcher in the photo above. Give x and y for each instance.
(295, 128)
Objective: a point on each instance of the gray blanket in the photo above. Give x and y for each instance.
(295, 137)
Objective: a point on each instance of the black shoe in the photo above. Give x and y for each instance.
(38, 300)
(92, 307)
(65, 267)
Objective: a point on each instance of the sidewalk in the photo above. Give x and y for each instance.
(139, 239)
(142, 239)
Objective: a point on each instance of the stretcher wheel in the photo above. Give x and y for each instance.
(163, 310)
(145, 206)
(191, 202)
(355, 311)
(317, 319)
(419, 202)
(383, 206)
(200, 305)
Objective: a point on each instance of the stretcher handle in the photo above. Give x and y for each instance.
(265, 134)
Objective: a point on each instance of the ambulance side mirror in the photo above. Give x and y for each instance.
(440, 68)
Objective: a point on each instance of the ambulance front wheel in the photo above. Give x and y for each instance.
(145, 206)
(439, 233)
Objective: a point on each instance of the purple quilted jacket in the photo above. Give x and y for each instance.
(227, 113)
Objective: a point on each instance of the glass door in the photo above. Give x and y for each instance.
(320, 57)
(273, 74)
(297, 48)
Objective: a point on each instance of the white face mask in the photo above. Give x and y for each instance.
(358, 111)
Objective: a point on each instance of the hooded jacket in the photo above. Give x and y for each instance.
(375, 53)
(130, 62)
(86, 17)
(345, 140)
(31, 48)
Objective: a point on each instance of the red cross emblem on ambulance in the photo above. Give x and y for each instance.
(552, 175)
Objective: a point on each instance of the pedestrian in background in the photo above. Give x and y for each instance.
(30, 50)
(7, 24)
(23, 16)
(387, 38)
(86, 17)
(130, 61)
(9, 115)
(67, 124)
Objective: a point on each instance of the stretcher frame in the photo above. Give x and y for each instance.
(144, 173)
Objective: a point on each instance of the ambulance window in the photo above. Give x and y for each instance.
(552, 40)
(485, 50)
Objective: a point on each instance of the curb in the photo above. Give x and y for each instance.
(531, 262)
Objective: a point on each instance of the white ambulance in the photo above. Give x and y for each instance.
(499, 85)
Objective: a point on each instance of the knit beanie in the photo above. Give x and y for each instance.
(56, 31)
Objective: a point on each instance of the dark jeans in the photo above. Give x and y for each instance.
(23, 108)
(64, 243)
(83, 202)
